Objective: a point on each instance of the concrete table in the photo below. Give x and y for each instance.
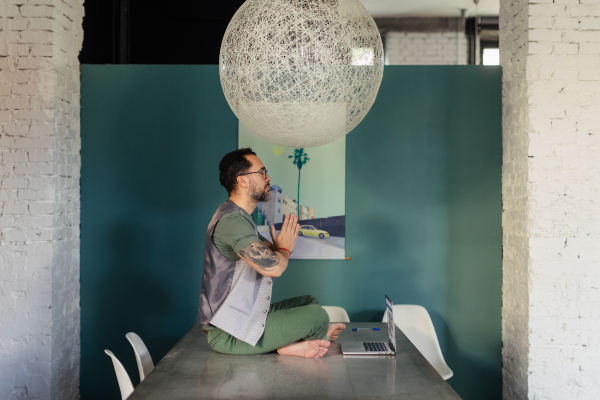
(191, 370)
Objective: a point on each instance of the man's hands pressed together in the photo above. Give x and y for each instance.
(287, 235)
(273, 261)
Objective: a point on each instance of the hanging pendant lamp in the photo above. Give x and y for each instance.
(301, 73)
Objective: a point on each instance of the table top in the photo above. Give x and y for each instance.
(192, 370)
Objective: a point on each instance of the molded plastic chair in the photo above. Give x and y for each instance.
(337, 314)
(122, 376)
(142, 355)
(416, 324)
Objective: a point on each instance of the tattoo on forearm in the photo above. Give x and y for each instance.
(260, 255)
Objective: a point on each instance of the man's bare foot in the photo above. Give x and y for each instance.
(305, 348)
(334, 330)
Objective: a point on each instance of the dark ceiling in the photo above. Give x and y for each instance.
(182, 32)
(154, 32)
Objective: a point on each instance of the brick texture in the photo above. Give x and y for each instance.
(551, 208)
(40, 164)
(425, 48)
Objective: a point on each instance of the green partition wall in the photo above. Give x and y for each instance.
(423, 212)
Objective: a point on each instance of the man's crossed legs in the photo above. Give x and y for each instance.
(298, 327)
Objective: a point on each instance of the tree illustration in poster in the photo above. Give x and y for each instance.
(300, 158)
(321, 210)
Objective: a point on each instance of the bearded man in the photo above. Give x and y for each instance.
(239, 266)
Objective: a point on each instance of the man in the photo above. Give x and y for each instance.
(239, 267)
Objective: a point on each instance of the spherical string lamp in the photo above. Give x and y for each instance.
(301, 73)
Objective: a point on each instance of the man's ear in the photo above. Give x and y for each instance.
(242, 181)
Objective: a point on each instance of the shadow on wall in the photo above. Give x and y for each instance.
(126, 299)
(472, 329)
(150, 160)
(468, 369)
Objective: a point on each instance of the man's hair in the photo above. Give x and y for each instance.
(232, 165)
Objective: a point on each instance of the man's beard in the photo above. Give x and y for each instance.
(260, 195)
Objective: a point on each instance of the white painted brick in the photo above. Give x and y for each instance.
(39, 115)
(564, 48)
(37, 11)
(566, 23)
(17, 24)
(585, 11)
(5, 116)
(15, 130)
(40, 155)
(547, 10)
(540, 22)
(590, 23)
(36, 37)
(14, 236)
(16, 103)
(27, 90)
(582, 37)
(32, 143)
(18, 156)
(14, 209)
(39, 82)
(4, 90)
(550, 108)
(40, 183)
(545, 35)
(424, 48)
(33, 195)
(14, 183)
(33, 222)
(42, 24)
(40, 129)
(42, 50)
(41, 208)
(15, 77)
(32, 169)
(36, 63)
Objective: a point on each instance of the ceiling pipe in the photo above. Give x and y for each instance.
(461, 24)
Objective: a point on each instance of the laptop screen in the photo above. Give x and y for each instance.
(389, 309)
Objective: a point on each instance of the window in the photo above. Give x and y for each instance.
(491, 56)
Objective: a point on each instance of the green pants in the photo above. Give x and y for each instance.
(298, 318)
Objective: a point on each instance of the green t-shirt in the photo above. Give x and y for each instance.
(233, 232)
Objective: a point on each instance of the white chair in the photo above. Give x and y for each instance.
(336, 314)
(122, 376)
(416, 324)
(142, 355)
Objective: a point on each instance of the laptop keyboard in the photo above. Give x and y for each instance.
(374, 346)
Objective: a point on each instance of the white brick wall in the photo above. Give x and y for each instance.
(39, 198)
(425, 48)
(550, 53)
(515, 278)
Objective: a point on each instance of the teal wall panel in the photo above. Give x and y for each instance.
(423, 209)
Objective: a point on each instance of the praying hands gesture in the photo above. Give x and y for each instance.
(274, 260)
(287, 235)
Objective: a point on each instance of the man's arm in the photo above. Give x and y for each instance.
(264, 260)
(266, 242)
(273, 260)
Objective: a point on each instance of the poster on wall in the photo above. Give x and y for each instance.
(309, 182)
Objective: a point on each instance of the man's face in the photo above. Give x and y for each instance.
(259, 188)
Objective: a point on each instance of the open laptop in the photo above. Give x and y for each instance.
(374, 348)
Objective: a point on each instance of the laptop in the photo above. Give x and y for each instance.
(373, 347)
